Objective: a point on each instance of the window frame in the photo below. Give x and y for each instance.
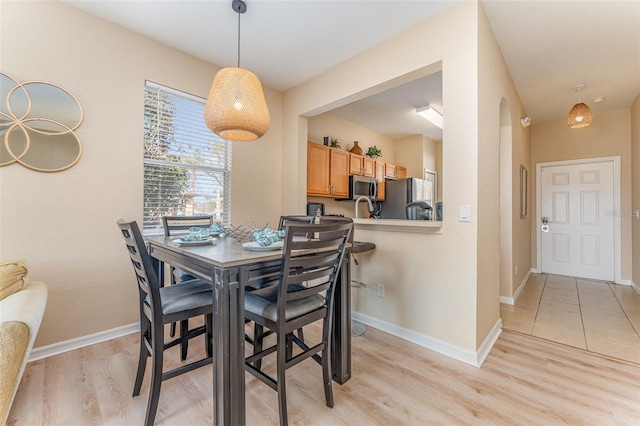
(151, 228)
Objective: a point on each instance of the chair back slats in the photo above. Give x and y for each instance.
(310, 219)
(312, 244)
(174, 225)
(141, 261)
(307, 291)
(314, 262)
(284, 220)
(315, 259)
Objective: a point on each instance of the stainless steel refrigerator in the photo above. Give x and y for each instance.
(399, 193)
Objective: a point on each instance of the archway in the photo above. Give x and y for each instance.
(506, 202)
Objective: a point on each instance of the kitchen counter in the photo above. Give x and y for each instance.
(399, 225)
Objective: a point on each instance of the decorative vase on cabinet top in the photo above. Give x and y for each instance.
(356, 148)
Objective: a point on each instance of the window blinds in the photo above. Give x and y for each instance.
(187, 168)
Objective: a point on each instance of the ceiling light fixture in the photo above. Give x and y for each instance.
(236, 109)
(431, 115)
(580, 115)
(525, 121)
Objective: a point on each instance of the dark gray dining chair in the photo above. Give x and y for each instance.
(304, 294)
(179, 225)
(159, 306)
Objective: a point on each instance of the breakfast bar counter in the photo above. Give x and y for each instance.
(399, 225)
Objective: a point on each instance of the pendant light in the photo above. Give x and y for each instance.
(580, 114)
(236, 109)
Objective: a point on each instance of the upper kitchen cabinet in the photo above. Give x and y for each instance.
(327, 171)
(391, 171)
(361, 166)
(380, 176)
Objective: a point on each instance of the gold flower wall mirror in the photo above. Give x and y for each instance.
(37, 123)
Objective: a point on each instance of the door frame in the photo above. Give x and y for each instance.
(617, 243)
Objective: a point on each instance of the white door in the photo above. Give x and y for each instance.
(577, 203)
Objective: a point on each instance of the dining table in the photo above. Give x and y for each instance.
(232, 268)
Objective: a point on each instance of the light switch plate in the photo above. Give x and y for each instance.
(465, 213)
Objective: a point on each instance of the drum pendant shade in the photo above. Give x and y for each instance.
(579, 116)
(236, 109)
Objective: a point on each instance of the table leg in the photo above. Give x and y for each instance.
(341, 339)
(228, 344)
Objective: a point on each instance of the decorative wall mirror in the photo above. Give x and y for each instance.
(37, 123)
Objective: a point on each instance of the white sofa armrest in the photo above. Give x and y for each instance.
(26, 306)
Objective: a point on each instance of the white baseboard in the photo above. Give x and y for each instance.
(512, 300)
(635, 286)
(472, 358)
(507, 300)
(623, 282)
(81, 342)
(488, 343)
(468, 357)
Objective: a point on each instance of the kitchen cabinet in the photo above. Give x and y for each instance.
(327, 171)
(361, 166)
(379, 165)
(391, 171)
(369, 167)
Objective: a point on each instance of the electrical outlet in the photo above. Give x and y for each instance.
(380, 290)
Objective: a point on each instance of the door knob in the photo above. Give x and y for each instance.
(545, 220)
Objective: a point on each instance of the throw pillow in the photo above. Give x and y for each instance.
(12, 276)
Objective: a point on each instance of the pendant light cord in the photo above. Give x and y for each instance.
(238, 39)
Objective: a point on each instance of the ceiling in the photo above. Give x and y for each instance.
(549, 47)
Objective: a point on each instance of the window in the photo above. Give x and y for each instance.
(187, 168)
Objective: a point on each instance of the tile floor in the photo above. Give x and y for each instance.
(595, 316)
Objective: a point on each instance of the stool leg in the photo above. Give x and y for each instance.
(184, 342)
(156, 373)
(142, 359)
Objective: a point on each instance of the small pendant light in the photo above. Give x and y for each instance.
(236, 109)
(580, 115)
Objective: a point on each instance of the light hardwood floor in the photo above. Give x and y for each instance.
(596, 316)
(524, 381)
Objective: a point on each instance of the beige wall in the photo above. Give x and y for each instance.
(417, 153)
(434, 283)
(608, 135)
(635, 189)
(430, 279)
(439, 169)
(495, 85)
(64, 223)
(506, 200)
(329, 124)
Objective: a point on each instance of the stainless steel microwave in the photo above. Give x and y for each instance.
(361, 186)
